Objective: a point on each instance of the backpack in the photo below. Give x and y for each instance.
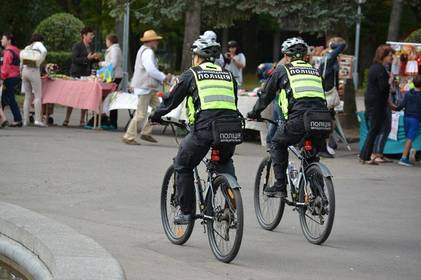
(15, 60)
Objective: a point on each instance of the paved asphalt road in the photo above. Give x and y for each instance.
(110, 192)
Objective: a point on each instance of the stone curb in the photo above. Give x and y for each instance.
(66, 254)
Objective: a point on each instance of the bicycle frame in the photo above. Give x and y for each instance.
(201, 192)
(301, 174)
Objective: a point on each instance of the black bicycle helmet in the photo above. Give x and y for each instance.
(295, 47)
(206, 49)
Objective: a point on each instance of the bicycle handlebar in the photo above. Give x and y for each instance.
(178, 123)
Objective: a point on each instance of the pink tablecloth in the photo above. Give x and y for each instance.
(86, 94)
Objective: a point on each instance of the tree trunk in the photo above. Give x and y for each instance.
(395, 19)
(191, 32)
(225, 38)
(350, 120)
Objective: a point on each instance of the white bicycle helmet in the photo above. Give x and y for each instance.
(295, 47)
(209, 35)
(206, 49)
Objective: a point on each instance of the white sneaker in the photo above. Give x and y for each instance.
(330, 150)
(412, 154)
(40, 124)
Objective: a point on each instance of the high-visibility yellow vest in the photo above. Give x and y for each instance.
(305, 82)
(215, 88)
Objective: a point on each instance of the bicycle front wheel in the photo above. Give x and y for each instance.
(177, 234)
(225, 230)
(318, 212)
(269, 210)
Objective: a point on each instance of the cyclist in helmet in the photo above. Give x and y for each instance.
(211, 94)
(300, 90)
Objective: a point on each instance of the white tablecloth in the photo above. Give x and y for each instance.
(122, 100)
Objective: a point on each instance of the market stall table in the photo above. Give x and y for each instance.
(392, 146)
(81, 94)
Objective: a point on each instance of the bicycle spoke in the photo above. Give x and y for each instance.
(318, 205)
(224, 230)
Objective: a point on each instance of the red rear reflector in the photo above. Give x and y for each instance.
(215, 155)
(308, 145)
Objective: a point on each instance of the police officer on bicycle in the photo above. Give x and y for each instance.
(300, 89)
(211, 94)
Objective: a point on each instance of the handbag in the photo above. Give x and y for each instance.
(31, 57)
(227, 131)
(332, 95)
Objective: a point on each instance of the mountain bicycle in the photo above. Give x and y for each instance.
(220, 206)
(310, 191)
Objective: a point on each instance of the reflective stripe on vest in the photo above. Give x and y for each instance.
(283, 103)
(305, 82)
(215, 89)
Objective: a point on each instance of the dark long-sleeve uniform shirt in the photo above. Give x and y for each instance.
(186, 86)
(278, 81)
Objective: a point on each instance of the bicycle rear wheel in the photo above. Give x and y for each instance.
(225, 231)
(177, 234)
(316, 217)
(269, 210)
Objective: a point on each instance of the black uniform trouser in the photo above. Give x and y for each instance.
(289, 133)
(193, 149)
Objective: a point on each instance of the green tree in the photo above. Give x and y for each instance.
(414, 37)
(306, 15)
(61, 31)
(20, 17)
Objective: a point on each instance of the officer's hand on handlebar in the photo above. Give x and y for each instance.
(253, 115)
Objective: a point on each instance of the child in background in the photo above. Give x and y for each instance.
(412, 105)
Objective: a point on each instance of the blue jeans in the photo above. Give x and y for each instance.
(8, 97)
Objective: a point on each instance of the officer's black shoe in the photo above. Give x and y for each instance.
(276, 191)
(183, 219)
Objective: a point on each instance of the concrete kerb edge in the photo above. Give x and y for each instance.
(29, 237)
(25, 259)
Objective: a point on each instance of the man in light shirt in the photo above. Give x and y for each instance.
(147, 81)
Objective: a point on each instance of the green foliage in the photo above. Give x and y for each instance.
(414, 37)
(62, 59)
(20, 17)
(307, 15)
(61, 31)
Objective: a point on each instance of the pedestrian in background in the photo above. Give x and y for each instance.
(329, 70)
(82, 59)
(114, 57)
(10, 76)
(147, 81)
(235, 61)
(31, 78)
(376, 99)
(3, 119)
(412, 106)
